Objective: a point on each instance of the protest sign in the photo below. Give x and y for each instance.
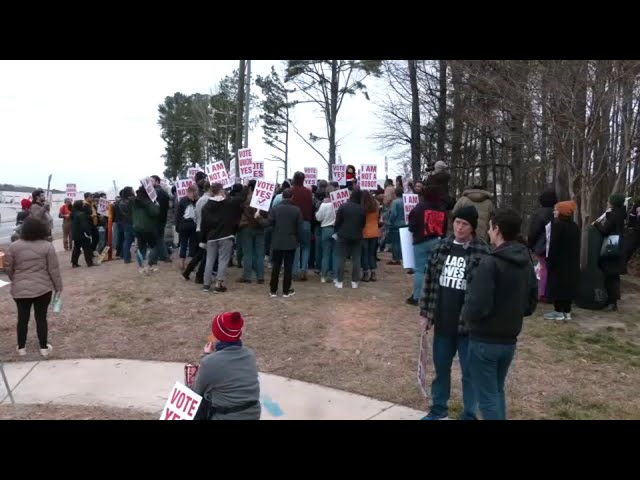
(406, 245)
(182, 404)
(103, 207)
(246, 163)
(410, 200)
(368, 179)
(216, 173)
(181, 187)
(310, 176)
(147, 184)
(339, 174)
(72, 191)
(191, 172)
(262, 195)
(258, 170)
(338, 197)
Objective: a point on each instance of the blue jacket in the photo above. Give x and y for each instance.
(396, 214)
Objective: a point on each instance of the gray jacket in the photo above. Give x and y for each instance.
(286, 220)
(229, 378)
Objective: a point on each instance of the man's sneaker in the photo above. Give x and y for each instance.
(554, 316)
(21, 351)
(243, 280)
(290, 294)
(185, 276)
(354, 284)
(432, 417)
(338, 284)
(46, 351)
(323, 279)
(567, 316)
(154, 269)
(206, 288)
(273, 295)
(260, 282)
(412, 301)
(220, 289)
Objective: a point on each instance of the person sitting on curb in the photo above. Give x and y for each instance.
(228, 375)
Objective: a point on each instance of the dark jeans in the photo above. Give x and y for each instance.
(128, 237)
(631, 244)
(369, 252)
(253, 253)
(117, 238)
(562, 306)
(199, 258)
(396, 250)
(444, 349)
(160, 248)
(95, 238)
(85, 245)
(188, 239)
(612, 284)
(489, 363)
(278, 257)
(40, 306)
(346, 248)
(318, 247)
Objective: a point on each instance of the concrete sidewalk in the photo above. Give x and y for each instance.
(145, 385)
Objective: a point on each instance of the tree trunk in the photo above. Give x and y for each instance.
(334, 112)
(442, 110)
(416, 170)
(286, 149)
(239, 114)
(456, 113)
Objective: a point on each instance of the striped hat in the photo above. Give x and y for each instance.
(227, 327)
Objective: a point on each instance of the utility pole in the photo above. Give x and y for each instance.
(238, 142)
(247, 105)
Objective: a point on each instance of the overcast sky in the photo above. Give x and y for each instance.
(91, 122)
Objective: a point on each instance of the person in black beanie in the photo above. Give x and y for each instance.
(451, 262)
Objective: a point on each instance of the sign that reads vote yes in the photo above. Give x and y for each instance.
(181, 187)
(339, 174)
(338, 197)
(182, 404)
(216, 173)
(368, 179)
(191, 172)
(147, 184)
(258, 170)
(262, 195)
(103, 207)
(246, 163)
(410, 200)
(72, 191)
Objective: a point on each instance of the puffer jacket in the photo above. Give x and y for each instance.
(32, 268)
(483, 201)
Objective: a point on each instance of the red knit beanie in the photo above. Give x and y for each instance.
(227, 327)
(25, 204)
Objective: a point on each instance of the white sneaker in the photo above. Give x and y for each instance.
(354, 284)
(21, 351)
(290, 294)
(338, 284)
(46, 351)
(554, 316)
(567, 316)
(323, 280)
(273, 295)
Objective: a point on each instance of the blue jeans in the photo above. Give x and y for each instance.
(421, 254)
(128, 241)
(344, 249)
(396, 250)
(303, 249)
(318, 235)
(444, 349)
(102, 235)
(161, 252)
(489, 363)
(147, 241)
(369, 252)
(328, 251)
(253, 253)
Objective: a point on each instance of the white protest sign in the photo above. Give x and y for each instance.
(72, 191)
(410, 200)
(338, 197)
(181, 187)
(258, 170)
(262, 195)
(310, 176)
(246, 163)
(147, 184)
(216, 173)
(368, 179)
(339, 174)
(406, 245)
(103, 207)
(182, 404)
(232, 172)
(191, 172)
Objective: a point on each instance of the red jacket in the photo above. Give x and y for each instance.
(302, 199)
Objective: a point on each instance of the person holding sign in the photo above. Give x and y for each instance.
(303, 200)
(252, 224)
(186, 225)
(396, 221)
(227, 378)
(145, 225)
(65, 214)
(428, 224)
(370, 236)
(350, 222)
(326, 215)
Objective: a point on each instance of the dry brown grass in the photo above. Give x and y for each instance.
(70, 412)
(363, 340)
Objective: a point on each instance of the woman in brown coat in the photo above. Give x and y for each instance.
(32, 266)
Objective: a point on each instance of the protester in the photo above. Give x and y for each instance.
(252, 224)
(500, 292)
(90, 203)
(350, 221)
(428, 224)
(370, 235)
(81, 233)
(326, 215)
(318, 197)
(25, 203)
(186, 225)
(302, 199)
(612, 264)
(287, 223)
(65, 214)
(125, 222)
(228, 375)
(161, 252)
(396, 221)
(145, 215)
(632, 237)
(563, 261)
(452, 261)
(200, 258)
(537, 237)
(482, 200)
(40, 209)
(117, 231)
(31, 264)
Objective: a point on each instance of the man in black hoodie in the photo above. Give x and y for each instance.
(500, 292)
(163, 200)
(350, 221)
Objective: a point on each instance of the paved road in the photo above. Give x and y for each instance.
(7, 227)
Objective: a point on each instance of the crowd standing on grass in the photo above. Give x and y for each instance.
(475, 276)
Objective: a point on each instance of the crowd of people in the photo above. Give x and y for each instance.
(475, 275)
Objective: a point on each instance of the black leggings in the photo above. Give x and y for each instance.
(40, 306)
(562, 306)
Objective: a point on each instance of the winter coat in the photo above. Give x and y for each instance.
(482, 200)
(32, 267)
(613, 225)
(563, 262)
